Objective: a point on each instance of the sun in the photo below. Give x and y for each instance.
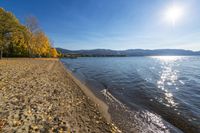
(174, 14)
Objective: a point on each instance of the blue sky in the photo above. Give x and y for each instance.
(113, 24)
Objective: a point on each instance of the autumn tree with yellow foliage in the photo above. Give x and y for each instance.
(54, 53)
(17, 40)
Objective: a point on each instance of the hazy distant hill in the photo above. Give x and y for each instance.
(129, 52)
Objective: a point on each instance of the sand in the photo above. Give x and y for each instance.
(39, 95)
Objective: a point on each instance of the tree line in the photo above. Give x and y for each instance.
(18, 40)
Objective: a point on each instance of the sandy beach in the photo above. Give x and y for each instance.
(38, 95)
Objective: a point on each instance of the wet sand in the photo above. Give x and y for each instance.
(39, 95)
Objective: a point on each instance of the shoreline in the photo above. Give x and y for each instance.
(103, 107)
(40, 95)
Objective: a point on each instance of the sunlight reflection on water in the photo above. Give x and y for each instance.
(168, 77)
(167, 58)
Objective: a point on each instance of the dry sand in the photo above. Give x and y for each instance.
(38, 95)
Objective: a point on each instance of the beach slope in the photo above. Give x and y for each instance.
(38, 95)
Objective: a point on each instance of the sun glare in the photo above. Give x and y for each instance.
(174, 13)
(167, 58)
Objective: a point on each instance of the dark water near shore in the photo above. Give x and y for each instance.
(146, 94)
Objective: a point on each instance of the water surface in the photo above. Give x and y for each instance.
(145, 94)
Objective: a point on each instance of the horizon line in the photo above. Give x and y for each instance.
(127, 49)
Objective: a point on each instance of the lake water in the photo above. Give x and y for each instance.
(145, 94)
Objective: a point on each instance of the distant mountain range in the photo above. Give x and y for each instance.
(129, 52)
